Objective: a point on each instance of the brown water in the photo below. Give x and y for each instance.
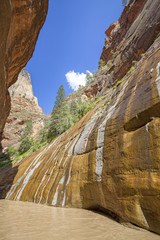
(28, 221)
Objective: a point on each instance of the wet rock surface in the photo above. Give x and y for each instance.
(109, 160)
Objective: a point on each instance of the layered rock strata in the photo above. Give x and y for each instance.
(110, 160)
(139, 26)
(21, 22)
(22, 88)
(24, 106)
(126, 42)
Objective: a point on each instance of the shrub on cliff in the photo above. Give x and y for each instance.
(102, 63)
(81, 109)
(90, 77)
(12, 151)
(43, 133)
(25, 145)
(73, 108)
(26, 141)
(34, 145)
(124, 2)
(28, 130)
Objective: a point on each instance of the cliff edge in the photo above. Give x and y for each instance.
(24, 107)
(110, 159)
(21, 22)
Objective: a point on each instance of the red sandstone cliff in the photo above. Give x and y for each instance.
(21, 22)
(126, 42)
(110, 159)
(24, 106)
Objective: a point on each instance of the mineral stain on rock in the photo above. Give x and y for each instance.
(110, 159)
(123, 165)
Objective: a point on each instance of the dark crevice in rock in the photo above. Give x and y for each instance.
(143, 118)
(106, 212)
(7, 176)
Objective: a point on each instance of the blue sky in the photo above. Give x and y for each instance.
(71, 39)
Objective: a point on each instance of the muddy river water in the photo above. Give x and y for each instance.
(28, 221)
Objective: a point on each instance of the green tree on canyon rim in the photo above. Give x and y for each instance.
(60, 117)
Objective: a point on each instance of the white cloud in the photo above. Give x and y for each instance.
(75, 79)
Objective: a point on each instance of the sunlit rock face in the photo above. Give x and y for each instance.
(109, 160)
(23, 87)
(138, 27)
(127, 40)
(21, 22)
(24, 106)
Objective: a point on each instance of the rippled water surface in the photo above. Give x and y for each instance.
(22, 220)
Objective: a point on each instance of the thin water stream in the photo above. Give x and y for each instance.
(28, 221)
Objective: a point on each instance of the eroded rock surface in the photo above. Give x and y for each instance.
(24, 106)
(21, 22)
(126, 42)
(23, 87)
(138, 28)
(109, 160)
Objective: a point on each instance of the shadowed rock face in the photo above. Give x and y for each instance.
(21, 22)
(110, 159)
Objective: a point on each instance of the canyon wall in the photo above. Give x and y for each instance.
(126, 42)
(24, 107)
(21, 22)
(110, 159)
